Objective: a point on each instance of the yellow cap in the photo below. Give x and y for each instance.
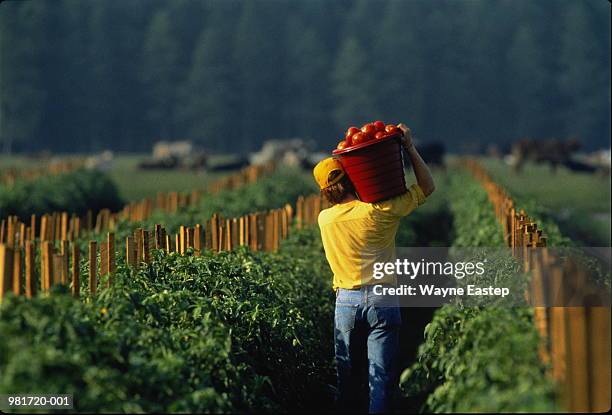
(324, 169)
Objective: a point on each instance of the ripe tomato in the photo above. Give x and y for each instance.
(351, 132)
(360, 137)
(379, 125)
(369, 129)
(379, 135)
(341, 145)
(390, 129)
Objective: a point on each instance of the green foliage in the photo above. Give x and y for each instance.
(475, 223)
(270, 192)
(482, 359)
(74, 192)
(237, 331)
(565, 203)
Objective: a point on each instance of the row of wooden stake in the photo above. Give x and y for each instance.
(59, 226)
(60, 263)
(576, 339)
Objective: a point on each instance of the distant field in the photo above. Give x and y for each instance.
(580, 202)
(133, 183)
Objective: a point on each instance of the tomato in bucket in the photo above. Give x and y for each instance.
(375, 167)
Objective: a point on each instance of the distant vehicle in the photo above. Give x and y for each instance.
(227, 162)
(175, 155)
(102, 162)
(597, 162)
(293, 152)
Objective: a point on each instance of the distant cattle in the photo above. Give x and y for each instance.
(552, 151)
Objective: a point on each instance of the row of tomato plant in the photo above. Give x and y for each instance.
(480, 358)
(73, 192)
(235, 331)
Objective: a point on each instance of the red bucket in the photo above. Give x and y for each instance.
(375, 168)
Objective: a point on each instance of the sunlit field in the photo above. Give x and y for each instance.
(579, 202)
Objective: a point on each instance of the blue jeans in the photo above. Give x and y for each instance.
(367, 345)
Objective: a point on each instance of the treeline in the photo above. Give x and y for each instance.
(85, 76)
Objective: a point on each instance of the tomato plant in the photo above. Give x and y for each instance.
(231, 332)
(471, 352)
(73, 192)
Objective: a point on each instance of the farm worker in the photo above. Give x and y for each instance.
(366, 332)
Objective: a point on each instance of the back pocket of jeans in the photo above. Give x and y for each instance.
(344, 319)
(388, 316)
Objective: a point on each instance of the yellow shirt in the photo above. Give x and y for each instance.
(356, 235)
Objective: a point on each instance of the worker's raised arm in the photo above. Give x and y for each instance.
(421, 171)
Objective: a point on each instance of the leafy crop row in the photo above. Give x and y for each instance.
(482, 359)
(236, 331)
(269, 192)
(74, 192)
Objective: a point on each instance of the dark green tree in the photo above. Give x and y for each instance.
(306, 96)
(23, 91)
(526, 85)
(207, 99)
(584, 81)
(353, 86)
(399, 61)
(160, 75)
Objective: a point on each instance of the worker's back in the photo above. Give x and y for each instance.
(356, 235)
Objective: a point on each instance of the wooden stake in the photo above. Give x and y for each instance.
(33, 227)
(234, 233)
(43, 228)
(46, 265)
(599, 350)
(64, 226)
(22, 234)
(131, 252)
(168, 244)
(146, 256)
(30, 279)
(103, 260)
(158, 237)
(17, 271)
(183, 240)
(59, 269)
(6, 269)
(214, 228)
(197, 240)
